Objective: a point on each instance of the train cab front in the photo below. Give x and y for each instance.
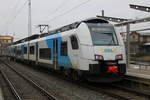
(106, 70)
(108, 53)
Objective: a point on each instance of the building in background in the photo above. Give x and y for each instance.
(6, 39)
(4, 42)
(137, 43)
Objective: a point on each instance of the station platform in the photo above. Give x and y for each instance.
(1, 95)
(139, 71)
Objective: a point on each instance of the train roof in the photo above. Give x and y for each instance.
(62, 29)
(75, 25)
(35, 36)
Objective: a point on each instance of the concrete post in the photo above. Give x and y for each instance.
(128, 45)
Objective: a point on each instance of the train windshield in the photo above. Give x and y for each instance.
(103, 34)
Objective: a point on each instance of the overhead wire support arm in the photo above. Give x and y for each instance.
(139, 7)
(147, 19)
(145, 29)
(113, 19)
(43, 27)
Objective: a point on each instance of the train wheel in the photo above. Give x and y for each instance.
(75, 76)
(64, 72)
(61, 71)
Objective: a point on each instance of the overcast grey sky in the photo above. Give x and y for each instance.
(14, 16)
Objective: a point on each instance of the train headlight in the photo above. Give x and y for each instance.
(99, 57)
(119, 57)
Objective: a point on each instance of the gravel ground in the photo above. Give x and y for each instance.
(62, 89)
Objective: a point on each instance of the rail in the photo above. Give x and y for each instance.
(15, 93)
(46, 93)
(123, 93)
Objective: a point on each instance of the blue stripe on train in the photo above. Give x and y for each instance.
(49, 42)
(50, 45)
(62, 60)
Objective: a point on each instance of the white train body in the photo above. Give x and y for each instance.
(93, 49)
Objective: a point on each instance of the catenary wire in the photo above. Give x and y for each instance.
(57, 9)
(75, 7)
(12, 14)
(18, 12)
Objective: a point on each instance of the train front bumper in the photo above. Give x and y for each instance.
(103, 73)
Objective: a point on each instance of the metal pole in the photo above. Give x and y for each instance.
(29, 20)
(103, 13)
(29, 25)
(48, 29)
(128, 45)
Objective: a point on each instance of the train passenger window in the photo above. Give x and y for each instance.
(18, 52)
(45, 53)
(25, 50)
(31, 49)
(74, 42)
(14, 50)
(64, 49)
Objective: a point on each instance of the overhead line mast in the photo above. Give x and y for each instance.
(29, 24)
(29, 19)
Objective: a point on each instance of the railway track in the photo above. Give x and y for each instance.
(120, 92)
(12, 88)
(114, 90)
(7, 93)
(22, 87)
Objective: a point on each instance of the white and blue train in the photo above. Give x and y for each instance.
(91, 48)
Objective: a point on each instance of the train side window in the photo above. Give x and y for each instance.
(25, 50)
(45, 53)
(74, 42)
(14, 50)
(31, 49)
(64, 49)
(18, 52)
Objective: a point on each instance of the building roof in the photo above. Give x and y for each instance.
(6, 36)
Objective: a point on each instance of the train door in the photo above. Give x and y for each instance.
(22, 52)
(37, 51)
(55, 52)
(74, 51)
(28, 49)
(15, 52)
